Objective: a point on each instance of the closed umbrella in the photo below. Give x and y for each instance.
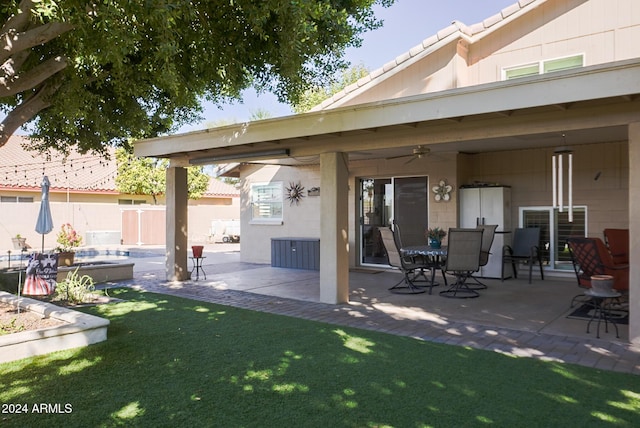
(44, 224)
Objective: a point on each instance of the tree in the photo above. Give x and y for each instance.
(316, 95)
(88, 74)
(147, 176)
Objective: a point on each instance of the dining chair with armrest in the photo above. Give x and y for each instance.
(524, 248)
(591, 257)
(488, 234)
(431, 263)
(463, 259)
(407, 265)
(617, 240)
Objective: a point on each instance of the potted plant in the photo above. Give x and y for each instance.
(19, 243)
(68, 239)
(435, 236)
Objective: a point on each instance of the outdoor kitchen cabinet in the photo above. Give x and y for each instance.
(488, 205)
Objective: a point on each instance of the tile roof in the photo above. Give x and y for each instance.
(456, 30)
(21, 169)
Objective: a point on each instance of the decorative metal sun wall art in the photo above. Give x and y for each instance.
(442, 191)
(295, 193)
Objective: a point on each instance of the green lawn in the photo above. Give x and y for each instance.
(179, 363)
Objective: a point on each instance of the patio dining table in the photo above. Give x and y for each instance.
(435, 257)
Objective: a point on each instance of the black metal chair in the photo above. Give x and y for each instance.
(524, 248)
(407, 265)
(431, 263)
(463, 259)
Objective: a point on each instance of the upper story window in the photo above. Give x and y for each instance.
(546, 66)
(266, 202)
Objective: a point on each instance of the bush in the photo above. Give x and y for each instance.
(74, 289)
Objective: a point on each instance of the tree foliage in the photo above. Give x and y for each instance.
(147, 176)
(88, 74)
(316, 95)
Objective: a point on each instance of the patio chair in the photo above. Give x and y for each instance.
(524, 248)
(488, 233)
(463, 259)
(617, 241)
(409, 268)
(590, 257)
(431, 263)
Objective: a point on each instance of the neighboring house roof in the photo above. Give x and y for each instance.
(22, 170)
(457, 30)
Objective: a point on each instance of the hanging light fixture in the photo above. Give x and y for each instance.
(557, 179)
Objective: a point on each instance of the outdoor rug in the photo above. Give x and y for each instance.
(585, 311)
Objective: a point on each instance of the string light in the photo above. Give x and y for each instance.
(102, 173)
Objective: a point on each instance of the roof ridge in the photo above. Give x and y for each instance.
(456, 27)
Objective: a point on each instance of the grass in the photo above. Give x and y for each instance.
(175, 362)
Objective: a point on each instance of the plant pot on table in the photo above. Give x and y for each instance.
(66, 258)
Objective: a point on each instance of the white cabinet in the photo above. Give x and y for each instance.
(488, 205)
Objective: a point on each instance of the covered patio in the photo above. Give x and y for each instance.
(597, 104)
(512, 317)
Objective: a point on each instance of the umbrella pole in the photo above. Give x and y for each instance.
(19, 279)
(43, 243)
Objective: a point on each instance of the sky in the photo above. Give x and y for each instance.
(405, 25)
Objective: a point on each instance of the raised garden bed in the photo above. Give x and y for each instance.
(99, 271)
(77, 329)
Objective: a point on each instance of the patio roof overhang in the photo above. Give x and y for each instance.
(592, 104)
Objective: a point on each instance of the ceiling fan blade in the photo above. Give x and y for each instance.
(411, 160)
(398, 157)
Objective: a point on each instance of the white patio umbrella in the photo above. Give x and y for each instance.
(44, 224)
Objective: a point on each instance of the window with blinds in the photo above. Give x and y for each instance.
(555, 228)
(266, 202)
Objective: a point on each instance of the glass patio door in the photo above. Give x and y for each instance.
(381, 201)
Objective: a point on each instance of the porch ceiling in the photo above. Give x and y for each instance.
(591, 105)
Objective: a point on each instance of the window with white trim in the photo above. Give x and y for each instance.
(266, 202)
(555, 228)
(546, 66)
(16, 199)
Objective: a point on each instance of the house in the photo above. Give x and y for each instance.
(498, 103)
(83, 192)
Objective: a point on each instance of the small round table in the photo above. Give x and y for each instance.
(197, 266)
(600, 311)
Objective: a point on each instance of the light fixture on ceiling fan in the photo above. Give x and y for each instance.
(417, 153)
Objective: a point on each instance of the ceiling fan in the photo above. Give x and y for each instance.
(417, 153)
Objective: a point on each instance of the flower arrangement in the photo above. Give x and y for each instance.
(68, 238)
(435, 233)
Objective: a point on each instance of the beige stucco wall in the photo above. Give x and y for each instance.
(603, 30)
(90, 216)
(303, 220)
(527, 172)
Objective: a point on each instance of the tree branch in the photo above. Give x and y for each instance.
(26, 111)
(11, 42)
(19, 21)
(34, 77)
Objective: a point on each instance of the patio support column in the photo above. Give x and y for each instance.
(176, 224)
(634, 233)
(334, 239)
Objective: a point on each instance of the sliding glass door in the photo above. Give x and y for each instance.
(382, 200)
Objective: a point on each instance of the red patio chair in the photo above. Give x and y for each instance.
(590, 257)
(617, 241)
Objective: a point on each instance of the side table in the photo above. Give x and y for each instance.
(197, 267)
(600, 311)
